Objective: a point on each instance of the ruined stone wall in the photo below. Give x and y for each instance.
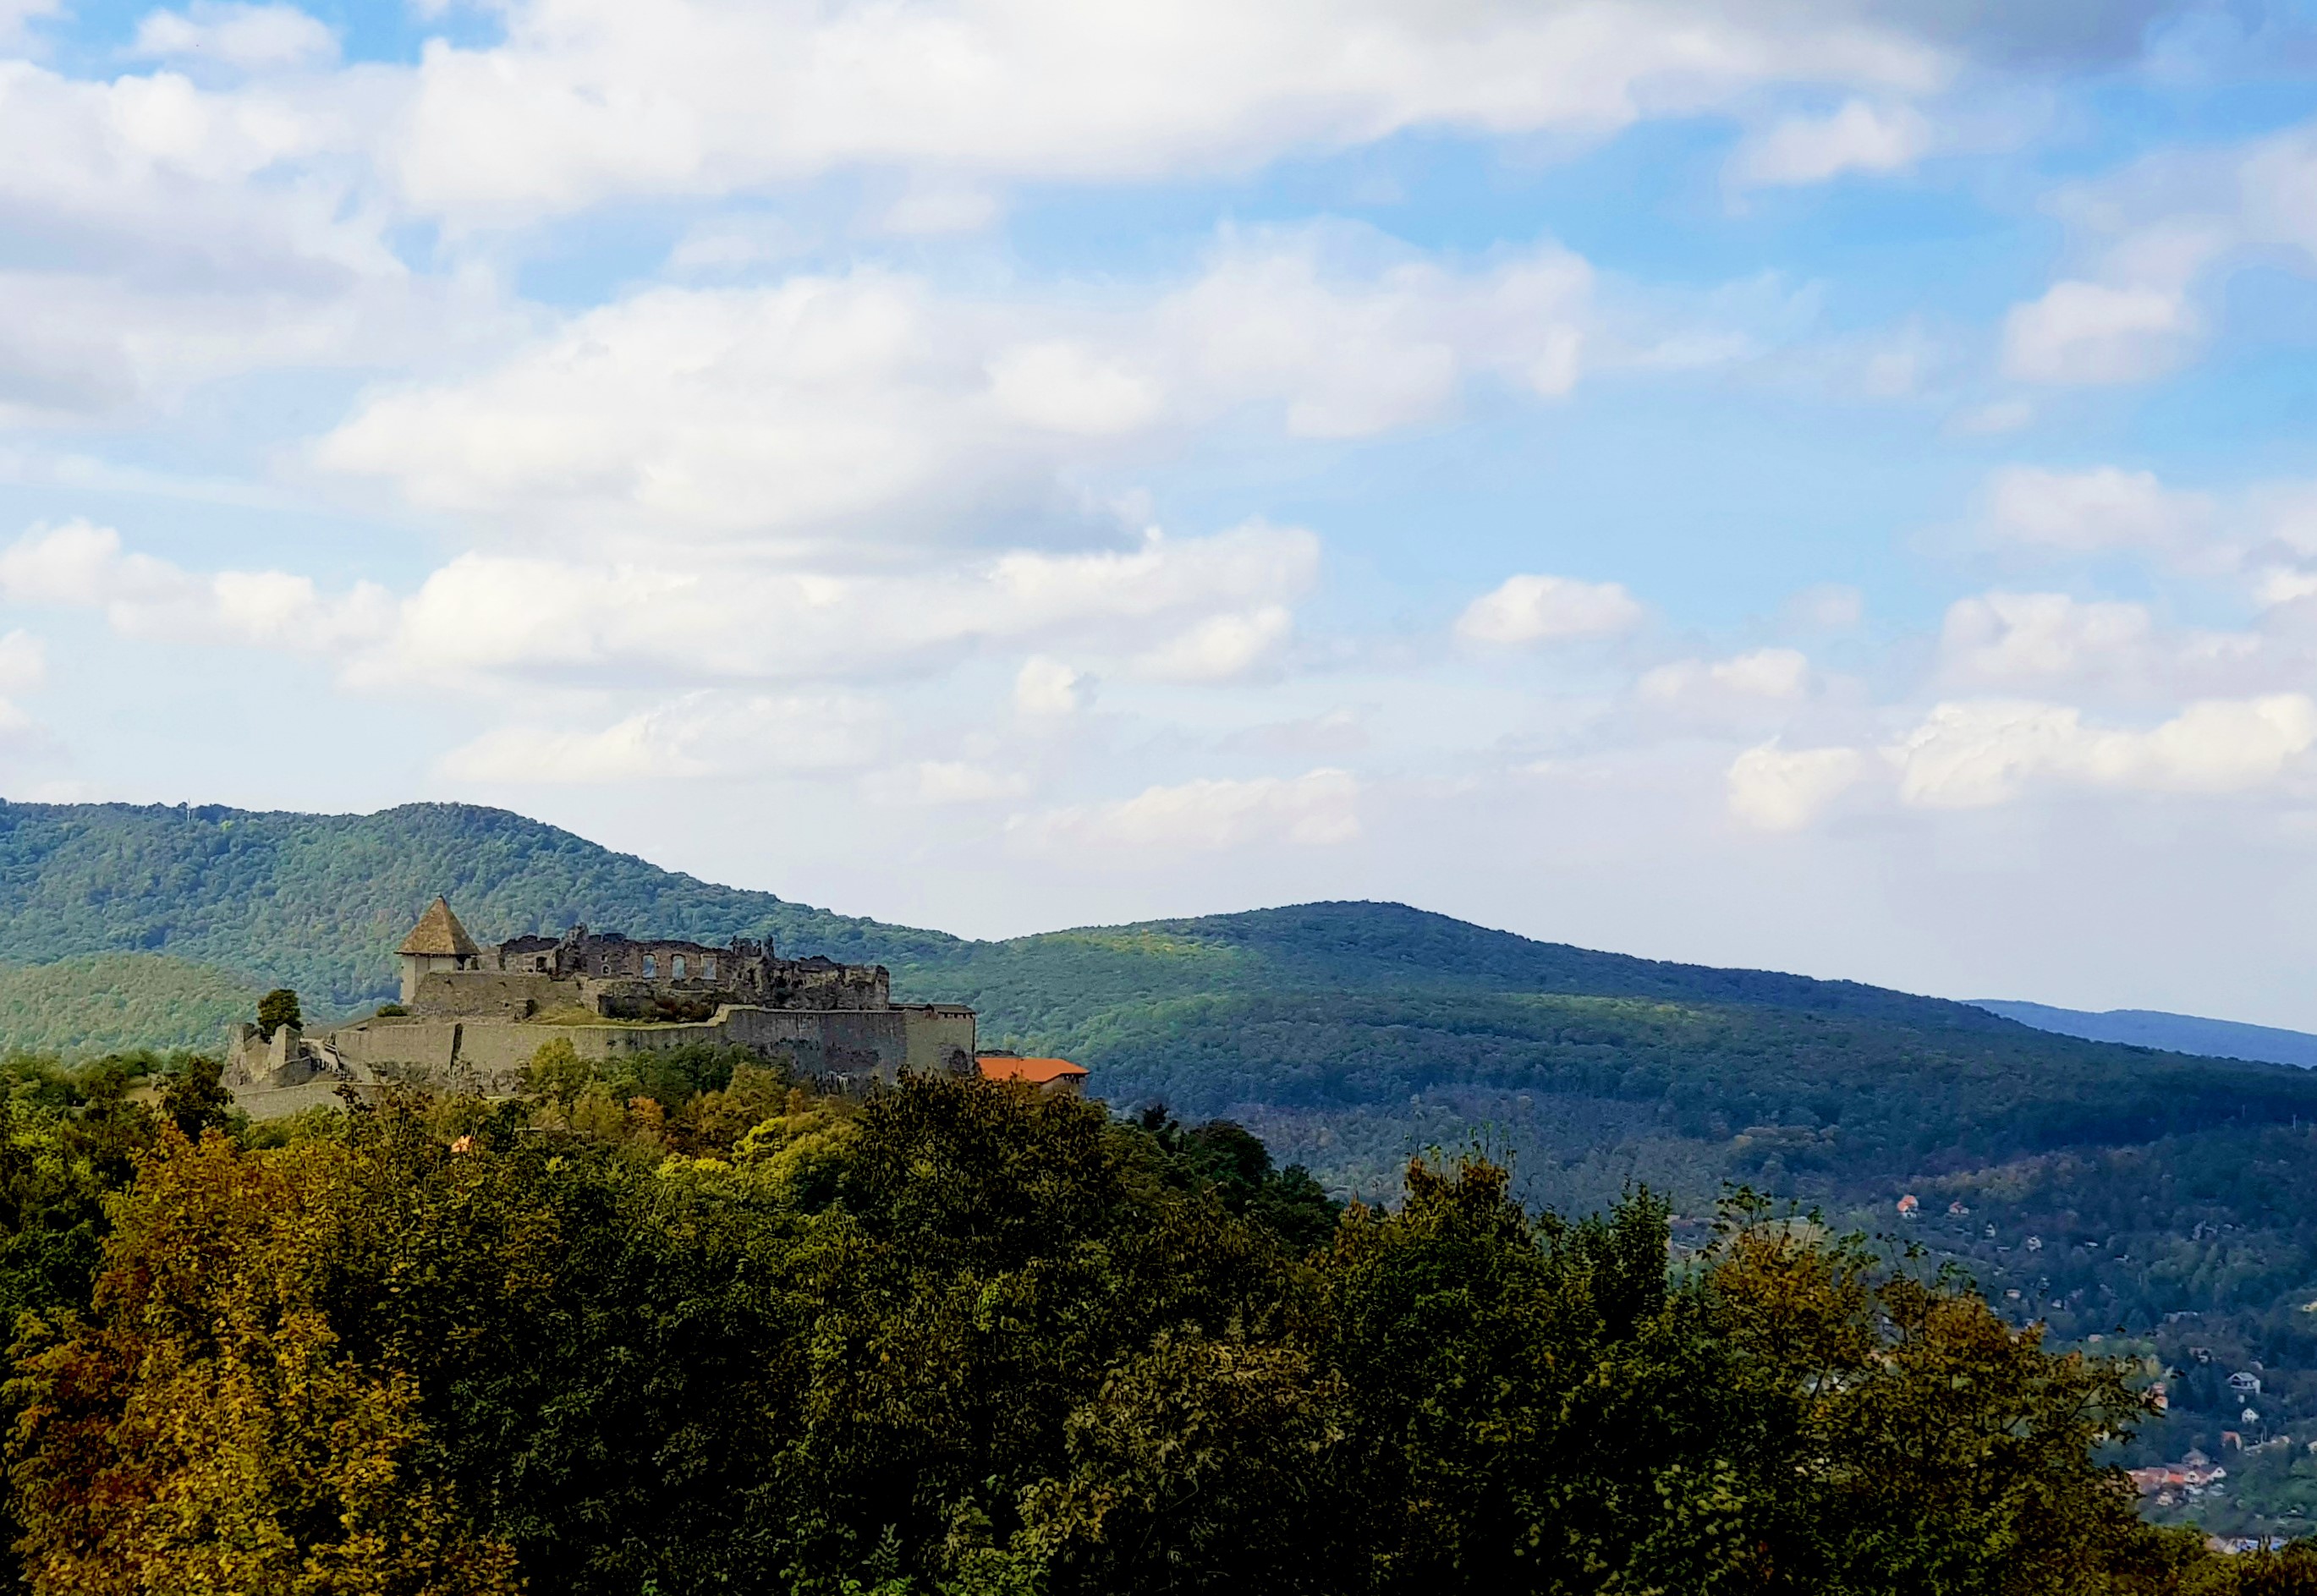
(743, 972)
(843, 1047)
(742, 964)
(488, 1055)
(482, 993)
(823, 983)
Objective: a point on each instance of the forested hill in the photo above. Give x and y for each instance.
(319, 901)
(2082, 1183)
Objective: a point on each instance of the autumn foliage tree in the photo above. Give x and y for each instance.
(971, 1340)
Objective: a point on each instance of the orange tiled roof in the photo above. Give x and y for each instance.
(1038, 1072)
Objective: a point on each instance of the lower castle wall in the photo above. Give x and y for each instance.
(488, 1053)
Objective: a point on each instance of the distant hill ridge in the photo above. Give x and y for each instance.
(2173, 1033)
(319, 902)
(1351, 1033)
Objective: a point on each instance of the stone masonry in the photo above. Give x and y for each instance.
(476, 1014)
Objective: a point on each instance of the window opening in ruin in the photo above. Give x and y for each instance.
(708, 969)
(675, 967)
(651, 967)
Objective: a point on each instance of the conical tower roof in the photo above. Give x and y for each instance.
(439, 933)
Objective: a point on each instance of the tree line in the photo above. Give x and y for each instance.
(693, 1328)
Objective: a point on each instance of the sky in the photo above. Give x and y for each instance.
(1802, 484)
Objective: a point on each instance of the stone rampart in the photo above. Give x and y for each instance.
(486, 1054)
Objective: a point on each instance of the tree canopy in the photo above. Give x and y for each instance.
(969, 1339)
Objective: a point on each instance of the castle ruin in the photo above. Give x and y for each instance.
(472, 1016)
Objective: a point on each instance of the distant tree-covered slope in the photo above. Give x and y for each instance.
(108, 1002)
(319, 902)
(2175, 1033)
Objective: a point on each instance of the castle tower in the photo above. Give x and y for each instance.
(437, 942)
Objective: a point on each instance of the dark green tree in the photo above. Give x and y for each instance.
(194, 1099)
(277, 1009)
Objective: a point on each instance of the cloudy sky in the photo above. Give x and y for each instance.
(1804, 483)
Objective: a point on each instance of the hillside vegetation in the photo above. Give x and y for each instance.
(319, 902)
(109, 1002)
(2101, 1189)
(710, 1333)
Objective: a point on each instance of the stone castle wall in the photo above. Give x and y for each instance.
(477, 1017)
(488, 1053)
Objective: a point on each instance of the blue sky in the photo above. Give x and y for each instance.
(1805, 483)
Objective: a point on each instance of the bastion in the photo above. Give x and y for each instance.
(472, 1016)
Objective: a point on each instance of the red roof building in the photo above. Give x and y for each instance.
(1047, 1074)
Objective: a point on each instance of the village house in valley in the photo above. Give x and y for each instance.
(471, 1016)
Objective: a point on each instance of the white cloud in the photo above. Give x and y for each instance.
(2091, 512)
(23, 662)
(2155, 236)
(1221, 649)
(805, 409)
(1860, 137)
(489, 615)
(1784, 789)
(1972, 754)
(81, 566)
(1827, 607)
(1772, 673)
(253, 36)
(1548, 610)
(1355, 353)
(1318, 810)
(700, 735)
(588, 100)
(2013, 638)
(942, 783)
(1334, 732)
(2090, 333)
(2039, 641)
(930, 211)
(1066, 388)
(1047, 689)
(16, 13)
(735, 243)
(187, 234)
(537, 755)
(486, 618)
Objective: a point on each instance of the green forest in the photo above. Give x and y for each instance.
(108, 1002)
(2151, 1199)
(697, 1330)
